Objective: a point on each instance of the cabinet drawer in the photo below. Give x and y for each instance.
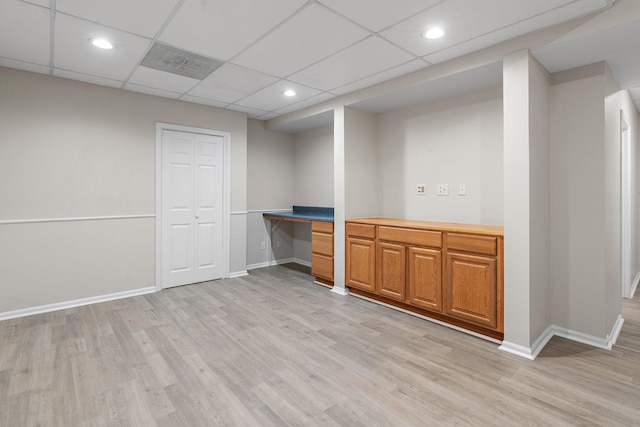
(469, 243)
(361, 230)
(322, 266)
(322, 226)
(322, 243)
(411, 236)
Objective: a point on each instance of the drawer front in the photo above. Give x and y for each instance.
(322, 266)
(322, 243)
(475, 244)
(411, 236)
(322, 226)
(361, 230)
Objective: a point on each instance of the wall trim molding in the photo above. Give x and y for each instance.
(237, 274)
(558, 331)
(75, 303)
(238, 213)
(267, 210)
(73, 219)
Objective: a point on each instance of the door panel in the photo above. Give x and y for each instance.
(192, 200)
(425, 278)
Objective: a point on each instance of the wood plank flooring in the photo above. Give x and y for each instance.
(272, 349)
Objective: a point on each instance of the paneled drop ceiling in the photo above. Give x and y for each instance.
(320, 49)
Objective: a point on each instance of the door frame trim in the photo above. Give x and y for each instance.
(226, 197)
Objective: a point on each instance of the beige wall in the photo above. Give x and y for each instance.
(313, 176)
(579, 190)
(270, 185)
(72, 149)
(362, 176)
(451, 141)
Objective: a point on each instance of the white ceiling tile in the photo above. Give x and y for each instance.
(222, 28)
(143, 17)
(26, 66)
(268, 116)
(86, 78)
(378, 14)
(44, 3)
(543, 20)
(272, 97)
(203, 101)
(24, 32)
(405, 68)
(308, 37)
(231, 82)
(460, 20)
(73, 50)
(151, 91)
(149, 77)
(324, 96)
(251, 112)
(363, 59)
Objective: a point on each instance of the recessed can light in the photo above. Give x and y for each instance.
(289, 92)
(433, 33)
(102, 43)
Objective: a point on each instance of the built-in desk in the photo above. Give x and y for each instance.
(321, 219)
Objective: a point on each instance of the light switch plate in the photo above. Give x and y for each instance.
(443, 190)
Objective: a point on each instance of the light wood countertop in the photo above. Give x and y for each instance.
(488, 230)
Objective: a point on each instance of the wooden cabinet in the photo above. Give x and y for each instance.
(361, 257)
(391, 278)
(451, 272)
(425, 278)
(322, 251)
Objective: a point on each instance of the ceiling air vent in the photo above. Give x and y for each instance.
(177, 61)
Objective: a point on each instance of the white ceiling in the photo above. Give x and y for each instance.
(320, 48)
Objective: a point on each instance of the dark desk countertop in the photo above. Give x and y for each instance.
(304, 213)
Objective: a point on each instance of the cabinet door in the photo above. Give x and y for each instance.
(361, 264)
(425, 278)
(471, 289)
(392, 271)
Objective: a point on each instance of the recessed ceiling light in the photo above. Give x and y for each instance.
(289, 92)
(102, 43)
(433, 33)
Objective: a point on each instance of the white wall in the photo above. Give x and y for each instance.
(540, 199)
(313, 175)
(72, 149)
(270, 186)
(517, 226)
(453, 141)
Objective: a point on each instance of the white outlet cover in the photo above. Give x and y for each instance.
(443, 189)
(462, 190)
(421, 189)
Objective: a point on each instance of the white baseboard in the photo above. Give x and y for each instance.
(554, 330)
(281, 261)
(634, 285)
(240, 273)
(275, 262)
(302, 262)
(74, 303)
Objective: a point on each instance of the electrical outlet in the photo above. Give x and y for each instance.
(421, 189)
(462, 190)
(443, 190)
(279, 244)
(263, 245)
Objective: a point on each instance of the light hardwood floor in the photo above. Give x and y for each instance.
(272, 349)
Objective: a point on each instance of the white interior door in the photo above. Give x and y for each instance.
(192, 202)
